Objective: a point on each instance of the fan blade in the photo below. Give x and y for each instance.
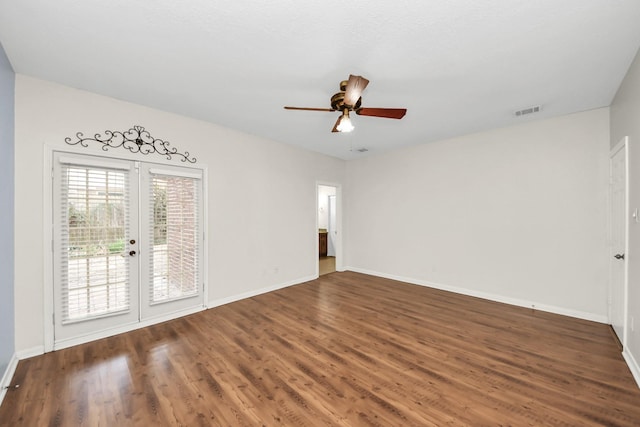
(355, 86)
(390, 113)
(335, 127)
(309, 109)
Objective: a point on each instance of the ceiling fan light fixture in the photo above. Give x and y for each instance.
(345, 124)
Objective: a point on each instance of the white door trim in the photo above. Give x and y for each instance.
(47, 223)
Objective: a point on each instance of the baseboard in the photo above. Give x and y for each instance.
(250, 294)
(632, 363)
(488, 296)
(30, 352)
(8, 376)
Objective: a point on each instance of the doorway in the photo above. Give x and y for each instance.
(328, 228)
(128, 244)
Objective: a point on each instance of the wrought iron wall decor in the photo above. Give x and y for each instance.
(136, 140)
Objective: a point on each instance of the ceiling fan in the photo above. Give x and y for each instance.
(349, 99)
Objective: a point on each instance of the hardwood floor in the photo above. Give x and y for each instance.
(344, 350)
(326, 265)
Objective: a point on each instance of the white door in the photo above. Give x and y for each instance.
(95, 280)
(618, 259)
(171, 240)
(127, 244)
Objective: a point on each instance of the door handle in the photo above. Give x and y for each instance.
(619, 256)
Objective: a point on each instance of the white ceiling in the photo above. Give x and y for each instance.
(458, 66)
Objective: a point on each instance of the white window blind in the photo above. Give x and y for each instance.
(174, 226)
(94, 222)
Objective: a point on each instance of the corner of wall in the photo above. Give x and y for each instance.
(8, 376)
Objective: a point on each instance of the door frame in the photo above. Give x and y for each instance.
(339, 227)
(49, 343)
(623, 144)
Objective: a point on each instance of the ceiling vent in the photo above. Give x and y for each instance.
(526, 111)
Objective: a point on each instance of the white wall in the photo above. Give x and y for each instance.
(515, 214)
(258, 239)
(7, 337)
(625, 121)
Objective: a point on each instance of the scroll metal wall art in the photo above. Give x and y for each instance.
(136, 140)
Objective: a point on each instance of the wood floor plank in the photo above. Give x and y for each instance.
(344, 350)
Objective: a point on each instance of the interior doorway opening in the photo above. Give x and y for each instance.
(328, 242)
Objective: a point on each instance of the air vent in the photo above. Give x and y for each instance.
(526, 111)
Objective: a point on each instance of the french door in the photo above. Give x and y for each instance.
(128, 243)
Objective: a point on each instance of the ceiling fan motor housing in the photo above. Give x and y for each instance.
(337, 101)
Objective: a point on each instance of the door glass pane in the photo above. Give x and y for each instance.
(174, 223)
(94, 226)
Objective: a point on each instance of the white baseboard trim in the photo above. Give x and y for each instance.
(30, 352)
(488, 296)
(632, 363)
(59, 345)
(250, 294)
(8, 376)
